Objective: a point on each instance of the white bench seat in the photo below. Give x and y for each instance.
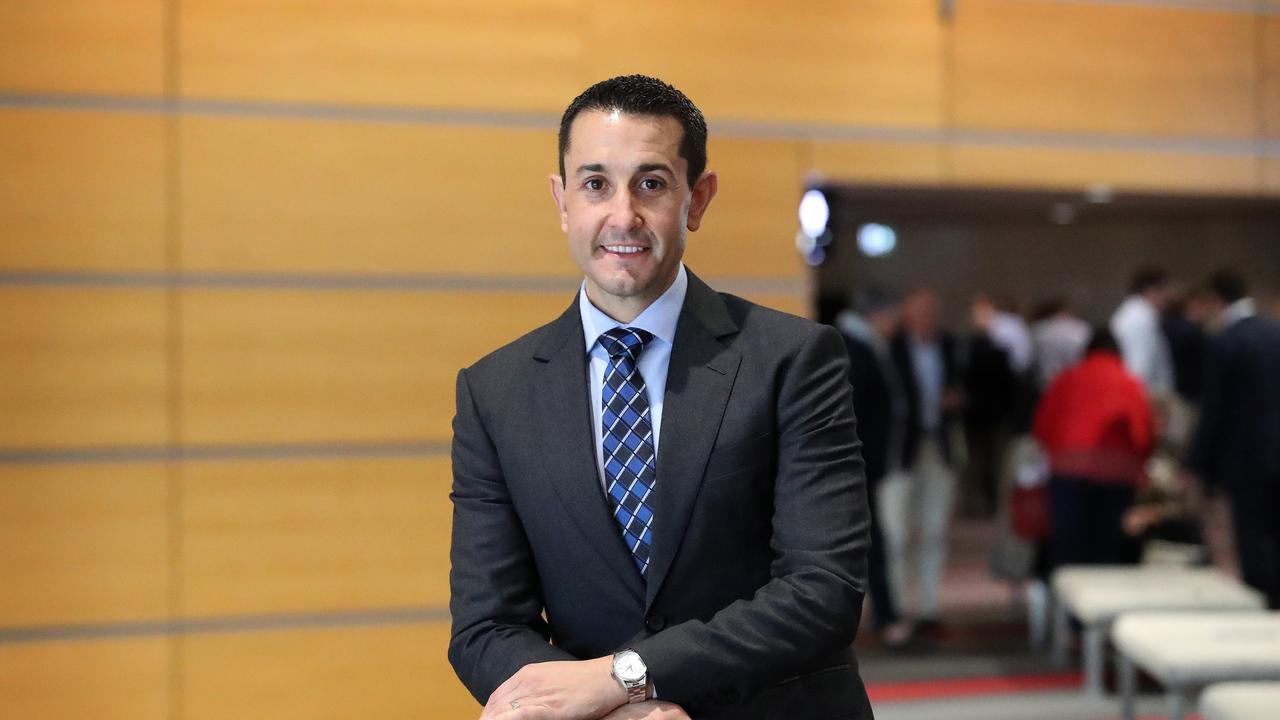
(1187, 651)
(1096, 596)
(1241, 701)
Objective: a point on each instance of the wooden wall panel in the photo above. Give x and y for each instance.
(102, 679)
(275, 195)
(1271, 176)
(1077, 169)
(878, 162)
(383, 672)
(81, 366)
(282, 366)
(325, 535)
(1113, 68)
(750, 228)
(80, 191)
(1269, 70)
(83, 543)
(515, 55)
(70, 46)
(270, 195)
(872, 62)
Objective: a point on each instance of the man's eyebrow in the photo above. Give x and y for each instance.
(650, 167)
(592, 167)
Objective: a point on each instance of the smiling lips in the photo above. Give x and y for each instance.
(625, 249)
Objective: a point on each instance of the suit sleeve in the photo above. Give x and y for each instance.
(495, 596)
(1206, 445)
(813, 602)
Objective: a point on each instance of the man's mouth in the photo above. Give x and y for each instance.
(625, 249)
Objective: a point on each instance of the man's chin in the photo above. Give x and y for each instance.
(624, 284)
(627, 290)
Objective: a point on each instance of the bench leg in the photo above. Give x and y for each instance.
(1177, 701)
(1128, 687)
(1095, 640)
(1061, 633)
(1037, 598)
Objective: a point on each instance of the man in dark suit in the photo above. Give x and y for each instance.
(920, 495)
(659, 494)
(1237, 443)
(880, 403)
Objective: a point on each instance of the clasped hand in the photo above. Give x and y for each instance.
(571, 690)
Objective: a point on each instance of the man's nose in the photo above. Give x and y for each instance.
(625, 212)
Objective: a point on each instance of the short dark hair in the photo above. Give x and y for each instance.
(648, 96)
(1146, 278)
(1101, 340)
(1228, 285)
(1049, 307)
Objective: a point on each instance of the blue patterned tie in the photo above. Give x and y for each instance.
(627, 438)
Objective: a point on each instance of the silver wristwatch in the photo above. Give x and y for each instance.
(632, 674)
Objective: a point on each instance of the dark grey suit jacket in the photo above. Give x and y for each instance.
(758, 564)
(1237, 442)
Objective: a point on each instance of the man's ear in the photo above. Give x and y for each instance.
(703, 190)
(557, 194)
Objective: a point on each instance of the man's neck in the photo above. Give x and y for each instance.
(624, 309)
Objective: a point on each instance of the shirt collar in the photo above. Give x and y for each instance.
(1237, 311)
(659, 318)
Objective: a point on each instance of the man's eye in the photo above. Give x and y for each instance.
(651, 184)
(594, 184)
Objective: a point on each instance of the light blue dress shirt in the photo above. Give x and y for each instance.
(660, 319)
(931, 377)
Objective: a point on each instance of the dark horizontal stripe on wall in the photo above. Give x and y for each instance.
(1230, 147)
(1250, 147)
(282, 110)
(230, 624)
(335, 281)
(206, 453)
(284, 281)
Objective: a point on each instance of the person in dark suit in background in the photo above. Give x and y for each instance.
(922, 492)
(1236, 446)
(1183, 325)
(659, 502)
(994, 391)
(880, 403)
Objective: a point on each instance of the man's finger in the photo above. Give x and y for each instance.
(534, 711)
(500, 699)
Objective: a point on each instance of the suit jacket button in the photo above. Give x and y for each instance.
(655, 623)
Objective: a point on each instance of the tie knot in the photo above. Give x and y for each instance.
(625, 341)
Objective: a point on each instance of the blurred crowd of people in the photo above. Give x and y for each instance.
(1090, 443)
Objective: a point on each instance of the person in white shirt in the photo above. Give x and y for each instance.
(1136, 326)
(1006, 330)
(1059, 338)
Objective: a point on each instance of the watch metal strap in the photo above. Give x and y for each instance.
(638, 692)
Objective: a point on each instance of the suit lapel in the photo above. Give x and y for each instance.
(699, 378)
(568, 449)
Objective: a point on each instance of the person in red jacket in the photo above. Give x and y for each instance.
(1096, 425)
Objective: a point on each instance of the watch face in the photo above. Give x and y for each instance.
(629, 667)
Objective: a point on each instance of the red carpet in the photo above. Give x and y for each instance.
(965, 687)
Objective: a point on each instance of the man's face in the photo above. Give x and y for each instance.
(1158, 296)
(885, 321)
(982, 313)
(918, 313)
(1214, 307)
(626, 205)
